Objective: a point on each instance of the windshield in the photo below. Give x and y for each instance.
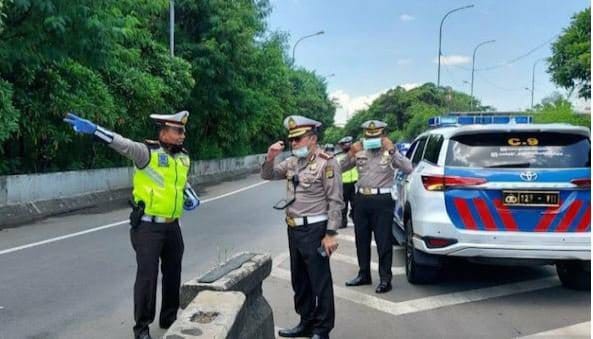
(520, 150)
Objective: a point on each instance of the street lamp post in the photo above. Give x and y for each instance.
(171, 25)
(303, 38)
(473, 70)
(440, 34)
(533, 79)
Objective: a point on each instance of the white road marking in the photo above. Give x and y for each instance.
(99, 228)
(433, 302)
(582, 330)
(351, 238)
(374, 266)
(1, 308)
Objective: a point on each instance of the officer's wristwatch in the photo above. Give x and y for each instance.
(331, 232)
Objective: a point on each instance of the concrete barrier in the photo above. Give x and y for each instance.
(25, 198)
(227, 302)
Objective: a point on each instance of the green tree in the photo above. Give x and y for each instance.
(560, 110)
(332, 135)
(406, 112)
(570, 63)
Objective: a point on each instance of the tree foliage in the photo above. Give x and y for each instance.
(406, 112)
(570, 64)
(559, 110)
(109, 61)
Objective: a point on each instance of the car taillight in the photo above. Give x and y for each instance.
(438, 242)
(583, 182)
(441, 182)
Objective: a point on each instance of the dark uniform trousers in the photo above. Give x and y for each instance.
(374, 214)
(311, 277)
(152, 241)
(349, 192)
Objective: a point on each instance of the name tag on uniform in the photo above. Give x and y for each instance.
(163, 160)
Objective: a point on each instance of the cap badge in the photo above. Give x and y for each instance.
(291, 123)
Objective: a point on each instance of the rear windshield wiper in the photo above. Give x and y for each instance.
(511, 165)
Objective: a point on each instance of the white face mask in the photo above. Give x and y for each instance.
(301, 152)
(371, 143)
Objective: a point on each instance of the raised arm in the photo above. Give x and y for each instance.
(269, 171)
(135, 151)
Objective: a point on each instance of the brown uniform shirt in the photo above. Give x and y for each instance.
(376, 167)
(320, 185)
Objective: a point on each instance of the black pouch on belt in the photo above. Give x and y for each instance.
(137, 213)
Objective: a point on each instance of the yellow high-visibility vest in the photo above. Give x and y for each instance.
(161, 183)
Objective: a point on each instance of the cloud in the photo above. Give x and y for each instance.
(406, 17)
(410, 85)
(453, 60)
(348, 105)
(404, 61)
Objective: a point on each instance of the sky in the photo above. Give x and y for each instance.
(371, 46)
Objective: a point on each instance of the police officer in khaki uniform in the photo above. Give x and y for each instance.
(161, 193)
(313, 213)
(376, 160)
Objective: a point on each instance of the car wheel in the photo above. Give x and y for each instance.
(574, 275)
(416, 273)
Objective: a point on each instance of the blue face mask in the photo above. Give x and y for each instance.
(301, 152)
(372, 143)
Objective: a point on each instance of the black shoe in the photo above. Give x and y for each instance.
(383, 287)
(320, 336)
(359, 280)
(301, 330)
(165, 325)
(144, 335)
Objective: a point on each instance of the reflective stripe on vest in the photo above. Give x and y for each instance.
(161, 183)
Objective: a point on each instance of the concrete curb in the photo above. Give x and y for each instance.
(27, 198)
(254, 317)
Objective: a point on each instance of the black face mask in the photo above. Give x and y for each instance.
(173, 149)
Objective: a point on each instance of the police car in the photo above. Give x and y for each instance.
(497, 188)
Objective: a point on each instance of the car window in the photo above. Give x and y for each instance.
(520, 150)
(419, 151)
(411, 150)
(433, 148)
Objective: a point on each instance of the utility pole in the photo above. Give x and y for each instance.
(440, 34)
(303, 38)
(171, 26)
(471, 107)
(533, 79)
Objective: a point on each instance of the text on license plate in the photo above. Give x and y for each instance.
(530, 198)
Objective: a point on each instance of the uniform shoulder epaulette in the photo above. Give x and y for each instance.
(325, 156)
(152, 143)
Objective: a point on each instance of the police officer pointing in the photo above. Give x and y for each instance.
(313, 213)
(376, 160)
(161, 193)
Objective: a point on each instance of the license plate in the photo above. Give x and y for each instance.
(530, 198)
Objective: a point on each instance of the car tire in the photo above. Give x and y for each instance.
(574, 275)
(416, 273)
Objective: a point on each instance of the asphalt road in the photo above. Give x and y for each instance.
(72, 277)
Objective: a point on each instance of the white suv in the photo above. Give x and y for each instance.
(519, 193)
